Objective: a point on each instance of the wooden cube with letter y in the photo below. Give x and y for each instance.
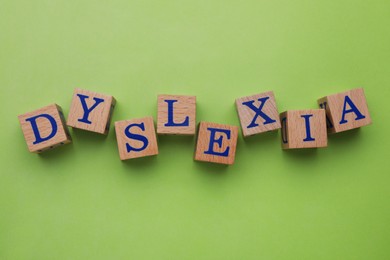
(176, 114)
(346, 110)
(258, 113)
(91, 111)
(216, 143)
(304, 129)
(44, 128)
(136, 138)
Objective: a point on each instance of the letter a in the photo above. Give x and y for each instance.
(353, 109)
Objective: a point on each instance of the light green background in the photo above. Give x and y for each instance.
(81, 202)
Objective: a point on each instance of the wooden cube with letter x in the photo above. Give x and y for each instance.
(136, 138)
(303, 129)
(216, 143)
(44, 128)
(91, 111)
(346, 110)
(258, 113)
(176, 114)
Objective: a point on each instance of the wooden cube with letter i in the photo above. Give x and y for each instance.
(303, 129)
(44, 128)
(136, 138)
(91, 111)
(258, 113)
(346, 110)
(176, 114)
(216, 143)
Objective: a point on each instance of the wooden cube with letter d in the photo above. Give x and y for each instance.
(44, 128)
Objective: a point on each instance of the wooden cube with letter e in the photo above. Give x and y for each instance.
(303, 129)
(44, 128)
(216, 143)
(346, 110)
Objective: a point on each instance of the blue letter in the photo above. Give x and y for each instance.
(136, 137)
(284, 130)
(170, 116)
(307, 124)
(86, 109)
(218, 141)
(258, 112)
(33, 122)
(353, 109)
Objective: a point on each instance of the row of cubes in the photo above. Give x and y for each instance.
(46, 128)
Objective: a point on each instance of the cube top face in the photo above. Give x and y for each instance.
(91, 111)
(304, 129)
(136, 138)
(176, 114)
(346, 110)
(216, 143)
(258, 113)
(44, 128)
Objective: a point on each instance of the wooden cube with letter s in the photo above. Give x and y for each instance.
(136, 138)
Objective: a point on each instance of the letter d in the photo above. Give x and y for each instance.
(38, 137)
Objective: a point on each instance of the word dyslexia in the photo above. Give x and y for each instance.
(45, 128)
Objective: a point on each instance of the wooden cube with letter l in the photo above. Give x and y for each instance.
(136, 138)
(44, 128)
(346, 110)
(258, 113)
(304, 129)
(91, 111)
(216, 143)
(176, 114)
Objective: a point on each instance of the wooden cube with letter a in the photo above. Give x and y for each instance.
(44, 128)
(176, 114)
(91, 111)
(136, 138)
(216, 143)
(346, 110)
(258, 113)
(304, 129)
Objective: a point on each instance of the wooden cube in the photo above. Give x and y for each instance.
(136, 138)
(346, 110)
(91, 111)
(176, 114)
(258, 113)
(44, 128)
(216, 143)
(304, 129)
